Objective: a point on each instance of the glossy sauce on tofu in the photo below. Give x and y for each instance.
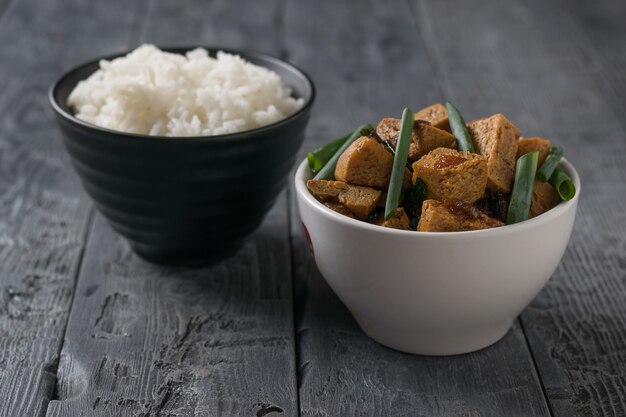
(445, 161)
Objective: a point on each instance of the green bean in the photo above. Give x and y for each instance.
(391, 149)
(327, 172)
(459, 129)
(563, 184)
(550, 164)
(320, 156)
(525, 170)
(399, 164)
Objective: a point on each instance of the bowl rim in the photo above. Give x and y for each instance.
(562, 208)
(229, 137)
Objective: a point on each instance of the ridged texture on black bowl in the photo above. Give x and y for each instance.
(184, 200)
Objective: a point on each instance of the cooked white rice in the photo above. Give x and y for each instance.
(153, 92)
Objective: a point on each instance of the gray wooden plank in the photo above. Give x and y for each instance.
(246, 25)
(43, 212)
(4, 6)
(369, 62)
(529, 63)
(144, 340)
(599, 29)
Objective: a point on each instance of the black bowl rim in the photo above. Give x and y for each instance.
(230, 137)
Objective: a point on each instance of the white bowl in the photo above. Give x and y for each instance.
(435, 293)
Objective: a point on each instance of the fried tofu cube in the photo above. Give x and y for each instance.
(326, 190)
(428, 138)
(339, 208)
(361, 201)
(424, 137)
(437, 115)
(365, 162)
(544, 198)
(525, 145)
(450, 174)
(496, 138)
(399, 221)
(453, 216)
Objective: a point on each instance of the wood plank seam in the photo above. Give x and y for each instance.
(280, 10)
(560, 379)
(428, 39)
(211, 362)
(53, 368)
(536, 368)
(294, 299)
(43, 211)
(341, 370)
(139, 25)
(5, 5)
(587, 47)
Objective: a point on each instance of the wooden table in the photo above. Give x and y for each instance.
(88, 329)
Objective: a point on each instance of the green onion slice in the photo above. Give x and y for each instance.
(550, 164)
(399, 164)
(459, 129)
(391, 149)
(563, 184)
(327, 172)
(320, 156)
(525, 170)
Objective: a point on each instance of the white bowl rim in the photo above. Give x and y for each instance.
(559, 210)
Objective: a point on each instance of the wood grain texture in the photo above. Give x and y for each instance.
(246, 25)
(145, 340)
(365, 70)
(43, 212)
(151, 341)
(529, 62)
(599, 30)
(4, 6)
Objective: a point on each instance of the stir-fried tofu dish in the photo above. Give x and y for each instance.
(431, 172)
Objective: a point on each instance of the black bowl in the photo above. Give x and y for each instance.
(184, 200)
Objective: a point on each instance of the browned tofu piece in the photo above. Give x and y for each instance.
(525, 145)
(429, 138)
(389, 129)
(326, 190)
(543, 199)
(453, 216)
(399, 221)
(339, 208)
(365, 162)
(437, 115)
(361, 201)
(424, 138)
(450, 174)
(496, 138)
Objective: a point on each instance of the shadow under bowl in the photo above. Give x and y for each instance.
(184, 200)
